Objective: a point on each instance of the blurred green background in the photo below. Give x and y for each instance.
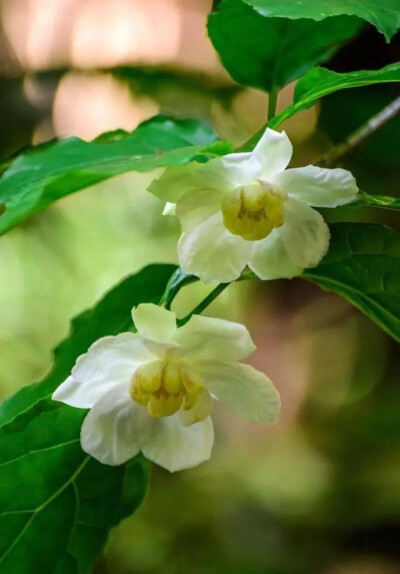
(319, 492)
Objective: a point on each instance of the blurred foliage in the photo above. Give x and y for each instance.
(317, 494)
(356, 107)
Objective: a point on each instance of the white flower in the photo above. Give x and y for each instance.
(248, 209)
(152, 391)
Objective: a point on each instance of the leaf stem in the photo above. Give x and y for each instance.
(204, 303)
(272, 101)
(250, 144)
(247, 274)
(178, 280)
(362, 133)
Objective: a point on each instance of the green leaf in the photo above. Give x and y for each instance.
(268, 53)
(320, 82)
(363, 266)
(44, 174)
(178, 280)
(383, 14)
(57, 504)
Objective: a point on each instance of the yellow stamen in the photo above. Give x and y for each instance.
(164, 404)
(171, 377)
(199, 411)
(192, 381)
(139, 396)
(253, 211)
(148, 377)
(165, 386)
(190, 401)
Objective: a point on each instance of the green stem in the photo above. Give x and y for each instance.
(204, 304)
(272, 101)
(178, 280)
(250, 144)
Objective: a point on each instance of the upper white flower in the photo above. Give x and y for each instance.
(248, 209)
(152, 391)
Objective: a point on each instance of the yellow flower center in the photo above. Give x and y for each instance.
(253, 211)
(166, 386)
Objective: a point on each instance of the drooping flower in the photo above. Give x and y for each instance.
(152, 391)
(248, 209)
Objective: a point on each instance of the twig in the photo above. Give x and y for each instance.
(361, 134)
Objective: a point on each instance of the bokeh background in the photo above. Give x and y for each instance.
(320, 491)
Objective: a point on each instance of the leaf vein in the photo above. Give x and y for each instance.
(35, 451)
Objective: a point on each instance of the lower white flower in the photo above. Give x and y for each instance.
(152, 391)
(248, 209)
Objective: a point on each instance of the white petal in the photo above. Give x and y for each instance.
(109, 361)
(203, 338)
(115, 428)
(304, 233)
(197, 206)
(169, 209)
(154, 322)
(243, 389)
(201, 410)
(77, 394)
(275, 151)
(317, 186)
(176, 181)
(221, 173)
(240, 169)
(175, 446)
(212, 253)
(270, 259)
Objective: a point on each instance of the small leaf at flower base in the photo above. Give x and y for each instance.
(267, 52)
(320, 82)
(383, 14)
(384, 201)
(44, 174)
(57, 504)
(363, 266)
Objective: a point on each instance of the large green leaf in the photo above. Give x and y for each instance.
(269, 53)
(57, 504)
(383, 14)
(363, 266)
(320, 82)
(44, 174)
